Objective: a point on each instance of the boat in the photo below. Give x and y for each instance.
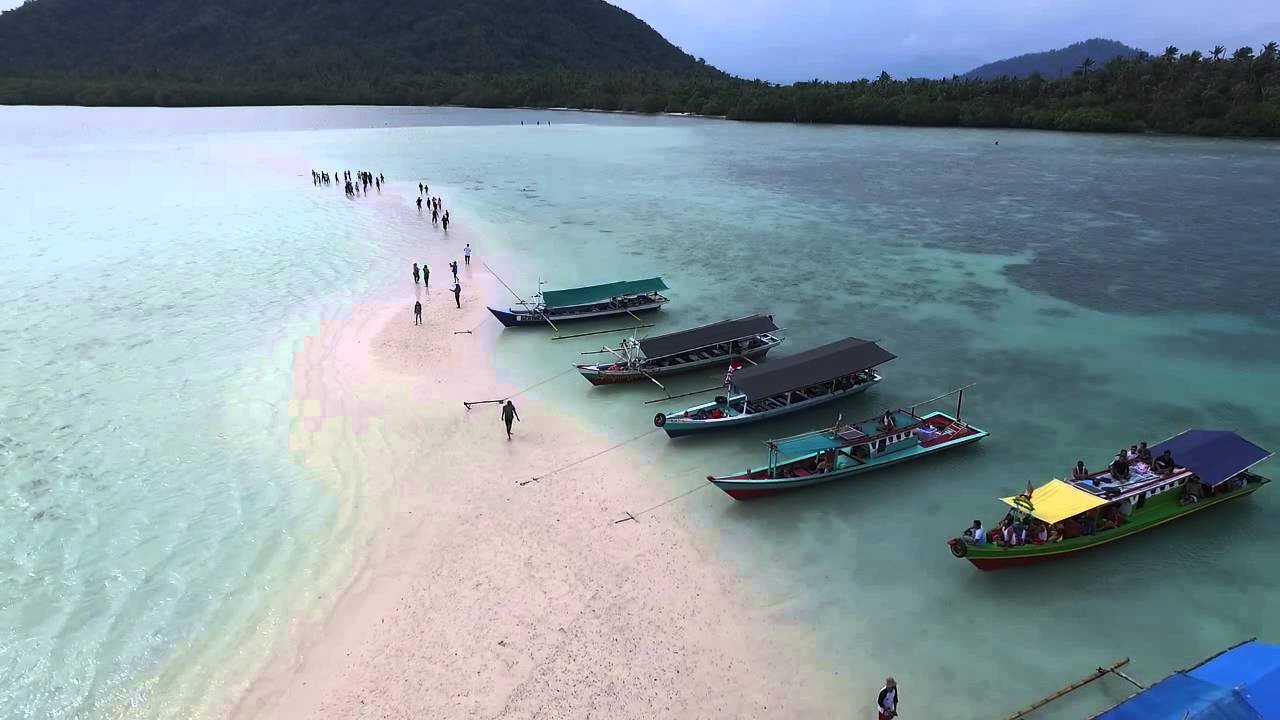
(1211, 467)
(707, 346)
(586, 303)
(1239, 683)
(781, 387)
(845, 450)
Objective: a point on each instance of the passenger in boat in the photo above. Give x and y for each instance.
(1079, 472)
(1164, 464)
(1055, 533)
(1120, 467)
(1144, 454)
(1192, 491)
(1015, 535)
(827, 461)
(888, 421)
(1039, 533)
(975, 535)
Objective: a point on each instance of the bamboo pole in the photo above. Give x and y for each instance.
(545, 319)
(673, 397)
(597, 332)
(1100, 672)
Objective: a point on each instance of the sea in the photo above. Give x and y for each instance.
(159, 268)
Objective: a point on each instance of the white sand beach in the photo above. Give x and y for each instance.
(474, 596)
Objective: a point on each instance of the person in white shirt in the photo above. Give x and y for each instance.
(887, 700)
(976, 535)
(466, 254)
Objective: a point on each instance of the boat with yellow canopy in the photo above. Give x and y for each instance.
(1202, 469)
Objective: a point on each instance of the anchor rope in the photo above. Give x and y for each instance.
(686, 493)
(611, 448)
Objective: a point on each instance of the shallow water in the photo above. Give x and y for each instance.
(160, 267)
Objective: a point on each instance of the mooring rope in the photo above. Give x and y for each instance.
(642, 513)
(540, 478)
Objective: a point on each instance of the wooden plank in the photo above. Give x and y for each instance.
(1099, 673)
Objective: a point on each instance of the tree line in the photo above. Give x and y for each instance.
(1197, 93)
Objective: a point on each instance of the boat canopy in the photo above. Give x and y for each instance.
(700, 337)
(1214, 455)
(807, 443)
(600, 293)
(1055, 501)
(810, 367)
(1242, 683)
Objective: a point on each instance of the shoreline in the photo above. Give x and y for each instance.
(476, 596)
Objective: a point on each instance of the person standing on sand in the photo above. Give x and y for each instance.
(426, 275)
(457, 294)
(417, 312)
(419, 204)
(444, 221)
(509, 413)
(466, 254)
(887, 700)
(419, 189)
(453, 265)
(435, 216)
(415, 273)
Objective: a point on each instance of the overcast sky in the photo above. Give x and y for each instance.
(789, 40)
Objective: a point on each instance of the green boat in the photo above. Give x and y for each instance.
(1060, 518)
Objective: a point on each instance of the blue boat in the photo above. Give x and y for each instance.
(843, 451)
(586, 303)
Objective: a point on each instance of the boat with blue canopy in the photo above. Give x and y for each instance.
(845, 450)
(782, 387)
(1190, 472)
(714, 345)
(1239, 683)
(586, 303)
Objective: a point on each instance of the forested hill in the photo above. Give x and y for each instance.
(217, 51)
(1054, 64)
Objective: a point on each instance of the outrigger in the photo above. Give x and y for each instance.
(1059, 518)
(707, 346)
(781, 387)
(586, 303)
(843, 451)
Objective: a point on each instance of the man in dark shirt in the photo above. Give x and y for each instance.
(415, 273)
(508, 414)
(457, 294)
(1164, 464)
(426, 275)
(417, 313)
(1120, 468)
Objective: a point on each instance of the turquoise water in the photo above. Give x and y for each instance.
(160, 267)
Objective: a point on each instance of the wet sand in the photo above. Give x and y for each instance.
(476, 596)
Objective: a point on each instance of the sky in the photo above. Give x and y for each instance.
(789, 40)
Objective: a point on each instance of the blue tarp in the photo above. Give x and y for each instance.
(805, 444)
(1240, 684)
(1214, 455)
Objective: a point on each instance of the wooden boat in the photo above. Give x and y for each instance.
(843, 451)
(701, 347)
(586, 303)
(1211, 467)
(799, 382)
(1239, 683)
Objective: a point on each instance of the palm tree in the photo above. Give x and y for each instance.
(1269, 51)
(1171, 53)
(1085, 65)
(1245, 54)
(1218, 50)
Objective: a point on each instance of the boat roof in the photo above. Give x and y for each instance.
(811, 366)
(841, 436)
(699, 337)
(1242, 683)
(1055, 501)
(600, 293)
(1214, 455)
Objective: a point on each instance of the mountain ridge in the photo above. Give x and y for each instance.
(1053, 64)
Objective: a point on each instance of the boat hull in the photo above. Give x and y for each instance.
(596, 376)
(512, 317)
(678, 427)
(985, 558)
(746, 489)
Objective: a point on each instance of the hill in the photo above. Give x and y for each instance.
(328, 50)
(1053, 64)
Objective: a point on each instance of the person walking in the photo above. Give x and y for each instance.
(417, 312)
(444, 221)
(415, 273)
(419, 192)
(419, 204)
(435, 216)
(426, 275)
(508, 414)
(887, 700)
(466, 252)
(457, 294)
(453, 265)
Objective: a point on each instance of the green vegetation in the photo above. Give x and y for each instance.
(570, 53)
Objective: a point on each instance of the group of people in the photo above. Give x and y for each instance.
(436, 205)
(424, 274)
(360, 184)
(1136, 457)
